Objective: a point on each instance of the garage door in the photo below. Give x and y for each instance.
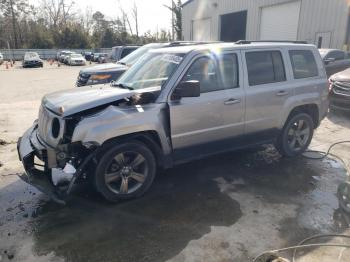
(280, 22)
(201, 30)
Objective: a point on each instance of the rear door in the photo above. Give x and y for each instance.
(218, 114)
(267, 89)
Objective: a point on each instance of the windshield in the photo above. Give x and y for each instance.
(76, 56)
(152, 70)
(134, 56)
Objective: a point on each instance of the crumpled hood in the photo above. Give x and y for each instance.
(79, 99)
(104, 68)
(343, 76)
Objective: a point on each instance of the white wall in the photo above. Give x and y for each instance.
(316, 16)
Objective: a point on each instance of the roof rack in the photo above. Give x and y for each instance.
(247, 42)
(175, 43)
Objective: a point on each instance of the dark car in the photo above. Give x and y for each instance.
(109, 72)
(96, 56)
(32, 59)
(87, 55)
(339, 94)
(119, 52)
(335, 60)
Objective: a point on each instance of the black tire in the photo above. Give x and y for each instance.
(286, 140)
(108, 161)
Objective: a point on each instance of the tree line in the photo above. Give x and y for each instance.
(60, 24)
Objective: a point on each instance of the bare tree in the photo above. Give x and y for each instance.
(58, 12)
(176, 20)
(125, 18)
(136, 19)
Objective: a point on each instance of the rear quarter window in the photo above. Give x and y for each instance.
(303, 64)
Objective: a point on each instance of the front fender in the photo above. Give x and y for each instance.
(113, 122)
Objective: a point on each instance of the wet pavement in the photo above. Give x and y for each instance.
(187, 203)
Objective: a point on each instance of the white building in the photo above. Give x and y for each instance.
(324, 23)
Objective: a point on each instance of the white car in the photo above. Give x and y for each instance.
(1, 58)
(76, 59)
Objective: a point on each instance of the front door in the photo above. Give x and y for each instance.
(218, 114)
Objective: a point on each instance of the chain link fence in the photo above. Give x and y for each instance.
(18, 54)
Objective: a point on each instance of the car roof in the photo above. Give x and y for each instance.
(227, 46)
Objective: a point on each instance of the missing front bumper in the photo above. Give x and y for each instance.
(28, 147)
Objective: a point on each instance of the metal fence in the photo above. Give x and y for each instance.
(18, 54)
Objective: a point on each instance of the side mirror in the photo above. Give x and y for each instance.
(187, 89)
(329, 60)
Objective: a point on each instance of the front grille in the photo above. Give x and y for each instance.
(341, 88)
(83, 79)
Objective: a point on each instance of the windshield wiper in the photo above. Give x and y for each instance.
(121, 63)
(122, 86)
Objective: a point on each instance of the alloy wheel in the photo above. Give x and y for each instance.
(298, 135)
(126, 172)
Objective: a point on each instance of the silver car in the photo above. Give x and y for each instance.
(174, 105)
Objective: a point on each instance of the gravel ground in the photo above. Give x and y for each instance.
(225, 208)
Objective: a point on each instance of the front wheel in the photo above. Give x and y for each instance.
(125, 171)
(296, 135)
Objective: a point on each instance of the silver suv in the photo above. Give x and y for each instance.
(174, 105)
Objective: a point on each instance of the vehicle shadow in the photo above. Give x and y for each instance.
(182, 205)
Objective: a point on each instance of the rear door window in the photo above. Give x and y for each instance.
(303, 64)
(265, 67)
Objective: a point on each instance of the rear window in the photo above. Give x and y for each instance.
(303, 64)
(127, 51)
(265, 67)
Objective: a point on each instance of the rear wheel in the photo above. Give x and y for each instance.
(125, 171)
(296, 135)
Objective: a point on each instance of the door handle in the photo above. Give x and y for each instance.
(232, 101)
(282, 93)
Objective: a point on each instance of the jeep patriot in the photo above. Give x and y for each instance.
(174, 105)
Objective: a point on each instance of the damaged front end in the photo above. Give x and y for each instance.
(57, 151)
(52, 171)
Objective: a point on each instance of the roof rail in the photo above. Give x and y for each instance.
(247, 42)
(176, 43)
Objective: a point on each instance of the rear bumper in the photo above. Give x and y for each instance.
(32, 64)
(29, 147)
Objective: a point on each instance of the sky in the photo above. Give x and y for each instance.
(152, 13)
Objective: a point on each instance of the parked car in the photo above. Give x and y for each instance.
(66, 57)
(62, 54)
(335, 60)
(340, 90)
(109, 72)
(96, 56)
(119, 52)
(1, 58)
(87, 55)
(76, 59)
(103, 58)
(156, 115)
(32, 59)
